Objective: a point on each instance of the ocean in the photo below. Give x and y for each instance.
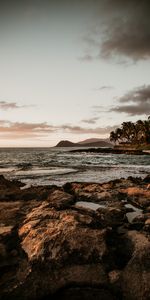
(47, 166)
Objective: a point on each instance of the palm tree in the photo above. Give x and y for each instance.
(113, 137)
(132, 133)
(128, 131)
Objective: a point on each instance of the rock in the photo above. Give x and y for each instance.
(7, 184)
(60, 199)
(84, 191)
(147, 225)
(148, 209)
(50, 247)
(147, 179)
(114, 276)
(60, 248)
(138, 222)
(136, 275)
(112, 216)
(65, 226)
(138, 195)
(5, 230)
(84, 293)
(115, 282)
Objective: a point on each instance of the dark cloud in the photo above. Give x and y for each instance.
(122, 28)
(133, 110)
(138, 95)
(135, 102)
(17, 10)
(4, 105)
(118, 27)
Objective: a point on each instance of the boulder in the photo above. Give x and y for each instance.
(136, 275)
(51, 248)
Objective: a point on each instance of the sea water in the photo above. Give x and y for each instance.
(46, 166)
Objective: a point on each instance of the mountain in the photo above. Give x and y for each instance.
(66, 144)
(86, 143)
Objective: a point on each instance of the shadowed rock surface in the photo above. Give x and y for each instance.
(53, 248)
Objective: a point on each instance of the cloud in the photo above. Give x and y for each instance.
(21, 130)
(24, 130)
(104, 87)
(133, 110)
(122, 28)
(135, 102)
(90, 120)
(82, 130)
(86, 57)
(4, 105)
(138, 95)
(99, 109)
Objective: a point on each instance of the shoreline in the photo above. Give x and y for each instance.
(112, 151)
(79, 239)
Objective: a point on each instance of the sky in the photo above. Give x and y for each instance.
(71, 70)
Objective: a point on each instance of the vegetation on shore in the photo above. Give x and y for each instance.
(136, 134)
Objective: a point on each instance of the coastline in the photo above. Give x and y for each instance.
(53, 245)
(112, 151)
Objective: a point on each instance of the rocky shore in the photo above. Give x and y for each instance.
(80, 241)
(112, 151)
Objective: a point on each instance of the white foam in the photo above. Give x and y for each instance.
(39, 171)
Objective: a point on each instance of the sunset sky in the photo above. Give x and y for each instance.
(72, 69)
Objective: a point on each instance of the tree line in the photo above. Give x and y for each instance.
(132, 133)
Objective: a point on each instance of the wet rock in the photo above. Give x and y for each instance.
(7, 184)
(9, 189)
(147, 179)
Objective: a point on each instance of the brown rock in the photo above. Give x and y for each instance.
(60, 199)
(50, 247)
(147, 225)
(84, 293)
(136, 275)
(112, 216)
